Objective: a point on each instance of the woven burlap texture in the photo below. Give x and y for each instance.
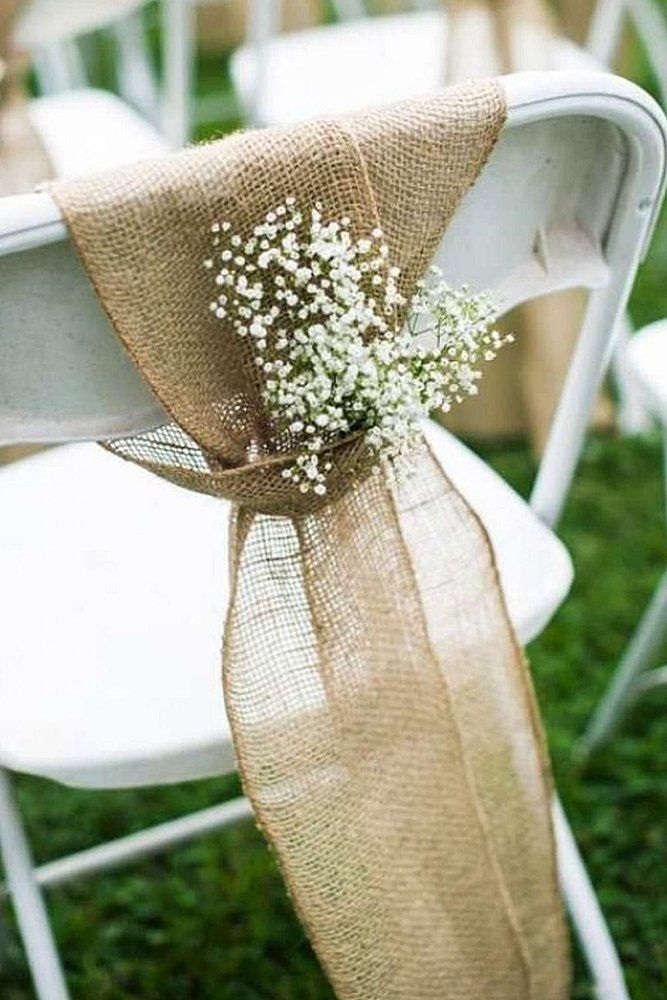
(382, 714)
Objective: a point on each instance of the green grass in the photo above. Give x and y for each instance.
(211, 921)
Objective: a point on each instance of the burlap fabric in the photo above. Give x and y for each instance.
(382, 713)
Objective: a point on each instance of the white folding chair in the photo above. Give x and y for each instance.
(83, 127)
(116, 683)
(263, 23)
(639, 670)
(649, 22)
(358, 62)
(284, 78)
(640, 367)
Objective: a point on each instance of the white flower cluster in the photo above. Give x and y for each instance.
(321, 314)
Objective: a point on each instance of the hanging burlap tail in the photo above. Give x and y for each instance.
(381, 710)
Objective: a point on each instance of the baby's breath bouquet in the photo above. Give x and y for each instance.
(322, 314)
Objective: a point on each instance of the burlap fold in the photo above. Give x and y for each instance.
(382, 714)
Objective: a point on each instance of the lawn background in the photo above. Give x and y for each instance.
(210, 921)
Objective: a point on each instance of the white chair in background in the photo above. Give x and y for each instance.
(84, 128)
(358, 62)
(638, 671)
(649, 22)
(109, 656)
(640, 367)
(290, 77)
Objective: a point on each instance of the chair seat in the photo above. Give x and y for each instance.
(114, 589)
(361, 63)
(647, 359)
(85, 130)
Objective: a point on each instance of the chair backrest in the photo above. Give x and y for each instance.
(62, 65)
(649, 19)
(567, 199)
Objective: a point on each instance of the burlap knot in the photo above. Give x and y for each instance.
(259, 485)
(382, 714)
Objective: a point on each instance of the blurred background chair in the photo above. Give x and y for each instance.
(647, 20)
(639, 670)
(388, 58)
(640, 364)
(605, 29)
(119, 685)
(67, 43)
(408, 47)
(66, 49)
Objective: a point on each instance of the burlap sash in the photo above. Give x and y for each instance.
(382, 713)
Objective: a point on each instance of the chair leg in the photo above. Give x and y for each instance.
(633, 415)
(587, 917)
(178, 46)
(641, 653)
(29, 906)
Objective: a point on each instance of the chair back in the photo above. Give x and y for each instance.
(568, 198)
